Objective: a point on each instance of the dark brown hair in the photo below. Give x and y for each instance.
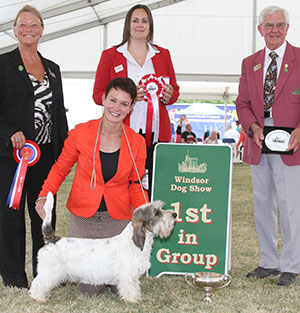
(126, 28)
(124, 83)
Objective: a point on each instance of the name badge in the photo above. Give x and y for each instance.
(276, 140)
(119, 68)
(257, 67)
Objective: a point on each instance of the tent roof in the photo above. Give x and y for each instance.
(207, 39)
(63, 18)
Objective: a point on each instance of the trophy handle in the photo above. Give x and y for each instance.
(188, 278)
(227, 280)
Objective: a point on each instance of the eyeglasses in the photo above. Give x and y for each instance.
(269, 26)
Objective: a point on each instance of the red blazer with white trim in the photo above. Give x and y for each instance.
(109, 67)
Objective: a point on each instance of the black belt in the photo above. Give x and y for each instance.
(268, 114)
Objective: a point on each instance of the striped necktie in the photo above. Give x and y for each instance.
(270, 82)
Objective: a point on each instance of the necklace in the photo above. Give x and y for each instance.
(138, 57)
(139, 60)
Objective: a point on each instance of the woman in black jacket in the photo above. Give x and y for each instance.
(31, 108)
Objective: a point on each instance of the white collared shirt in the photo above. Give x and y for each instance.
(280, 52)
(138, 116)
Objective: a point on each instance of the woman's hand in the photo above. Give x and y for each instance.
(140, 93)
(18, 140)
(39, 207)
(167, 92)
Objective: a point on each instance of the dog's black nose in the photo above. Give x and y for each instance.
(174, 215)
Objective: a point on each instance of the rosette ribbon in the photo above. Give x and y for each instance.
(154, 88)
(26, 156)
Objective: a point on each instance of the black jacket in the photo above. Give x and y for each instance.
(17, 102)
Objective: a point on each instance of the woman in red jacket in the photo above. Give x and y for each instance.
(106, 186)
(135, 57)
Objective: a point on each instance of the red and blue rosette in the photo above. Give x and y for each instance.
(154, 92)
(26, 156)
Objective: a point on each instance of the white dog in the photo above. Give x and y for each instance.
(119, 260)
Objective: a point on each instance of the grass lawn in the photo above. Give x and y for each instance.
(171, 293)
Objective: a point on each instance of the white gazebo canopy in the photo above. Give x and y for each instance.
(207, 39)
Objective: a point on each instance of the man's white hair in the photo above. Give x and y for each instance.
(270, 10)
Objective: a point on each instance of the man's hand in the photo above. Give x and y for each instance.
(294, 141)
(258, 135)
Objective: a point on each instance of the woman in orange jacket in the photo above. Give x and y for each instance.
(110, 160)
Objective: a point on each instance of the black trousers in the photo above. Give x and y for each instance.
(149, 163)
(12, 222)
(149, 167)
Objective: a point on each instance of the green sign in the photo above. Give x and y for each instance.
(194, 181)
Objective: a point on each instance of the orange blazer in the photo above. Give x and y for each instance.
(122, 193)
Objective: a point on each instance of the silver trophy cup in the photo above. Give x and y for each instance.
(208, 281)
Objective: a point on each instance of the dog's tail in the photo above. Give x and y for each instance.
(47, 229)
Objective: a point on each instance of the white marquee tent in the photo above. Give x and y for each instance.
(207, 40)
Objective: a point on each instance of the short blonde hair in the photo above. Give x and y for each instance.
(32, 10)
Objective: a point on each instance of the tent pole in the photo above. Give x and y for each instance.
(225, 97)
(104, 36)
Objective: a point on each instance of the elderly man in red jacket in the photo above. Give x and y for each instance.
(269, 97)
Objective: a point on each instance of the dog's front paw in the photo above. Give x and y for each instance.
(40, 300)
(36, 297)
(132, 300)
